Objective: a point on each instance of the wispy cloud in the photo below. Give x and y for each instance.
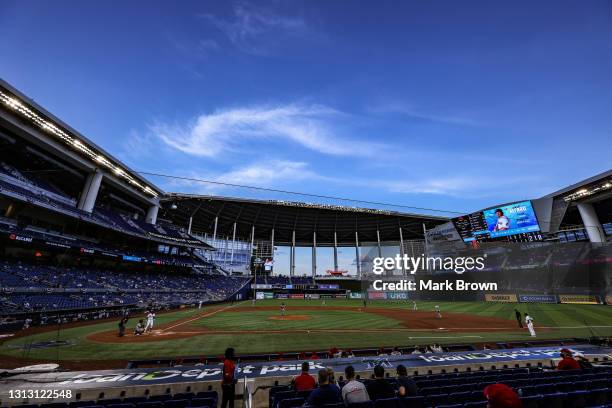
(228, 130)
(473, 185)
(269, 173)
(257, 30)
(422, 114)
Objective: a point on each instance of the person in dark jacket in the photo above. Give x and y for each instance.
(518, 318)
(326, 393)
(379, 387)
(406, 387)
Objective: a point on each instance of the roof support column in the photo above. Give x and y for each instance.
(335, 251)
(357, 257)
(215, 230)
(272, 243)
(314, 253)
(152, 214)
(87, 201)
(401, 235)
(591, 222)
(233, 245)
(378, 240)
(292, 265)
(189, 227)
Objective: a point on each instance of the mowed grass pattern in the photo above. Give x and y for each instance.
(566, 320)
(318, 320)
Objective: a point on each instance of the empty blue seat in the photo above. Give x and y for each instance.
(387, 403)
(415, 401)
(365, 404)
(176, 403)
(150, 404)
(160, 398)
(203, 402)
(291, 402)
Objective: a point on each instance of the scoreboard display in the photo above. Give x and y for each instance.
(515, 222)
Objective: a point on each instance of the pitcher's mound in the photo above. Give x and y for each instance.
(290, 317)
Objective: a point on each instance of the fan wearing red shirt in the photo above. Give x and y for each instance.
(567, 361)
(304, 381)
(228, 383)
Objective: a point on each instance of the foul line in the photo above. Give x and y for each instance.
(201, 317)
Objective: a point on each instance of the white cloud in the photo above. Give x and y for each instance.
(417, 113)
(268, 173)
(460, 186)
(255, 30)
(228, 130)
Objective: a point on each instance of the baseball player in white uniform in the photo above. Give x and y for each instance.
(439, 315)
(414, 305)
(150, 321)
(529, 322)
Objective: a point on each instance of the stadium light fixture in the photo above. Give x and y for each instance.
(50, 127)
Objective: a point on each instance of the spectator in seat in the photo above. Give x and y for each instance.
(396, 351)
(353, 391)
(380, 388)
(326, 393)
(304, 381)
(501, 396)
(567, 361)
(314, 356)
(331, 376)
(228, 383)
(406, 385)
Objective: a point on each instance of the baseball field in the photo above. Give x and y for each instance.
(306, 325)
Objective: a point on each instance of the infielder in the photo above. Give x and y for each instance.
(283, 309)
(414, 305)
(437, 308)
(529, 322)
(150, 321)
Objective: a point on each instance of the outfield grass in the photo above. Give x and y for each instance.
(568, 321)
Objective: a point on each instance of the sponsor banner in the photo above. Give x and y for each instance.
(261, 286)
(339, 296)
(57, 244)
(581, 299)
(21, 238)
(259, 295)
(322, 296)
(312, 296)
(282, 296)
(502, 297)
(537, 298)
(397, 295)
(377, 295)
(296, 296)
(268, 295)
(356, 295)
(609, 300)
(185, 374)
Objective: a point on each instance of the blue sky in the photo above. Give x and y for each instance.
(450, 105)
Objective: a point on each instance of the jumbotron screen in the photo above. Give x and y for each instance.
(495, 222)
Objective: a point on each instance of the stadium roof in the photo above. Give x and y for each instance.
(596, 188)
(56, 134)
(288, 216)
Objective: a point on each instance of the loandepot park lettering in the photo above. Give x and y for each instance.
(512, 355)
